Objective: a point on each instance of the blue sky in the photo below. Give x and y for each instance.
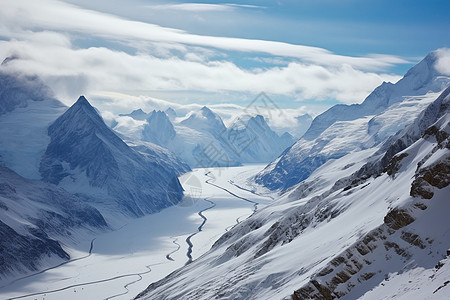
(406, 28)
(304, 54)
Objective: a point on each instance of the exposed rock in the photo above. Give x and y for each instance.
(437, 175)
(398, 218)
(413, 239)
(394, 165)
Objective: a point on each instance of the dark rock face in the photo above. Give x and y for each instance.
(394, 164)
(24, 252)
(398, 218)
(437, 175)
(49, 213)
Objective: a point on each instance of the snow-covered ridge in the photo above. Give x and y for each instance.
(346, 128)
(411, 235)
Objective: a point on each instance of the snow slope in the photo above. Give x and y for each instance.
(27, 108)
(345, 128)
(337, 234)
(34, 216)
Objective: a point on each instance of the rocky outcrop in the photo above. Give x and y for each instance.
(357, 264)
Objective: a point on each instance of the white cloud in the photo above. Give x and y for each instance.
(42, 34)
(101, 69)
(443, 61)
(71, 71)
(56, 15)
(193, 7)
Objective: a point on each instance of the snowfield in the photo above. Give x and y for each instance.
(123, 262)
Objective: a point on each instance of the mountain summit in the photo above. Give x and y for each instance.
(86, 157)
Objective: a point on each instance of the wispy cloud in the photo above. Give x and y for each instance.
(202, 7)
(55, 15)
(193, 7)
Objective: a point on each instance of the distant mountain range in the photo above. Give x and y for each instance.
(202, 139)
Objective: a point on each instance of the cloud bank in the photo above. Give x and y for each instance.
(138, 57)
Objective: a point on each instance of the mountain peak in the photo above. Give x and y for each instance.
(171, 113)
(83, 106)
(207, 112)
(82, 100)
(159, 113)
(159, 129)
(259, 118)
(137, 114)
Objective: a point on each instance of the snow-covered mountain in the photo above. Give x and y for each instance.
(64, 172)
(87, 158)
(34, 217)
(203, 140)
(346, 231)
(158, 129)
(137, 114)
(254, 141)
(27, 107)
(346, 128)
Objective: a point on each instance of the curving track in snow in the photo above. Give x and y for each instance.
(89, 283)
(175, 241)
(255, 204)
